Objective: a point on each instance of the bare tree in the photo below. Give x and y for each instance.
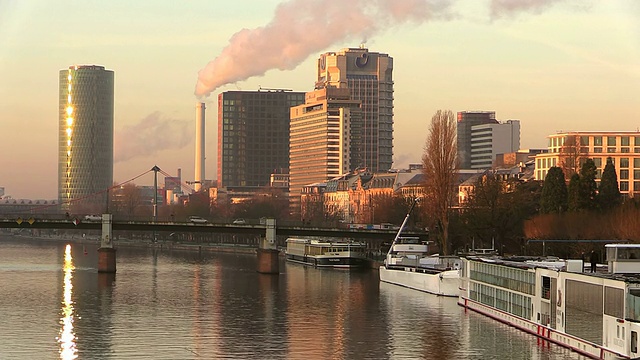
(440, 168)
(572, 153)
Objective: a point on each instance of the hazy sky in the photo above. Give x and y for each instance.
(554, 65)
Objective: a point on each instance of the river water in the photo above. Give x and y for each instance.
(190, 305)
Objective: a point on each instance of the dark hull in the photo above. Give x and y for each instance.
(338, 262)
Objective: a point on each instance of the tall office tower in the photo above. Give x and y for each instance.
(321, 144)
(85, 137)
(489, 140)
(467, 119)
(253, 135)
(369, 78)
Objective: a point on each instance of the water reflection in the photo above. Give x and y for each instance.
(180, 305)
(67, 338)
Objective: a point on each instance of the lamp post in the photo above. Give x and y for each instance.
(155, 170)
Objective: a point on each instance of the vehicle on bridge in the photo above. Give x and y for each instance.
(92, 218)
(239, 222)
(197, 220)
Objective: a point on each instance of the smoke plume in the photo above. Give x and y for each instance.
(506, 8)
(300, 28)
(149, 136)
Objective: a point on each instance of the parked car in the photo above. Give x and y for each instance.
(92, 218)
(239, 222)
(197, 220)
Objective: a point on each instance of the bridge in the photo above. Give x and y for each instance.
(185, 227)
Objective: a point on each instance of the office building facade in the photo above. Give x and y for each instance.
(489, 140)
(253, 135)
(569, 149)
(321, 144)
(85, 137)
(466, 120)
(369, 78)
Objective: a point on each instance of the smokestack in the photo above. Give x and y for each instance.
(199, 173)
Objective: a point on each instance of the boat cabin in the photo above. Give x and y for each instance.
(623, 258)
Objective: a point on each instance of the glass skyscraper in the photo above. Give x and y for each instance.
(253, 135)
(85, 138)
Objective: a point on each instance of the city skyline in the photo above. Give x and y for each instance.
(553, 65)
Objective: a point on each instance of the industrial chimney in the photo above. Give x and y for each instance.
(199, 173)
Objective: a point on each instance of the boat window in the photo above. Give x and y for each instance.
(546, 287)
(614, 302)
(633, 304)
(634, 341)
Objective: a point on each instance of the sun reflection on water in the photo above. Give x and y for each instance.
(67, 337)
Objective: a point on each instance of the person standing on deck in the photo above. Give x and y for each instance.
(594, 260)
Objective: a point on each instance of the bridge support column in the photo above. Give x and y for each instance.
(268, 255)
(106, 252)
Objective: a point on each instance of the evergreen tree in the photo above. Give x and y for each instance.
(608, 192)
(554, 192)
(574, 193)
(588, 187)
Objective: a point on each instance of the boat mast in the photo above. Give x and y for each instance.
(404, 222)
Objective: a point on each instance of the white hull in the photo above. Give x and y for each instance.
(546, 333)
(444, 283)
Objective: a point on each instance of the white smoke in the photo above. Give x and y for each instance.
(506, 8)
(303, 27)
(300, 28)
(149, 136)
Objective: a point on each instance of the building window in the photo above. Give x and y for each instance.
(624, 163)
(624, 141)
(597, 141)
(636, 140)
(611, 141)
(597, 162)
(624, 174)
(584, 140)
(597, 149)
(624, 186)
(611, 150)
(624, 150)
(636, 163)
(636, 186)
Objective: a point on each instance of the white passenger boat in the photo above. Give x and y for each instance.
(326, 252)
(408, 264)
(595, 314)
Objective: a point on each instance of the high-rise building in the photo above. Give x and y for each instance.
(253, 135)
(85, 137)
(466, 120)
(369, 78)
(489, 140)
(321, 143)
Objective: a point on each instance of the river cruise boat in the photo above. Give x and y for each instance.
(326, 252)
(409, 264)
(595, 314)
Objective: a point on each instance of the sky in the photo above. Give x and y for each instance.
(554, 65)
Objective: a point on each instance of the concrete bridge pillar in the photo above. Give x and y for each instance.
(268, 255)
(106, 252)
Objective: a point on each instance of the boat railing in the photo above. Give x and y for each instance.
(425, 262)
